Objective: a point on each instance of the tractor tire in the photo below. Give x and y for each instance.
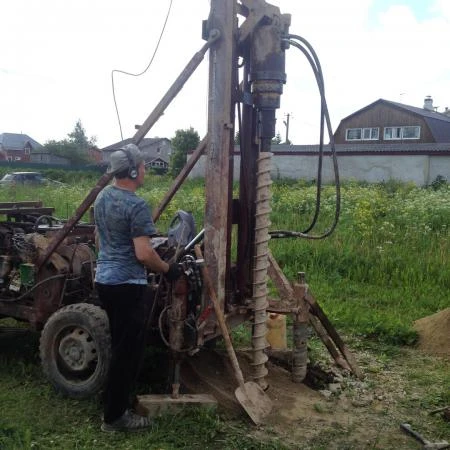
(75, 349)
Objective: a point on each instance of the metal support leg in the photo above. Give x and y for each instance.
(301, 321)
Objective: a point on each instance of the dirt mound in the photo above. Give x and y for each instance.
(211, 372)
(295, 405)
(434, 333)
(350, 413)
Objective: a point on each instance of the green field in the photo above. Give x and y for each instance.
(386, 265)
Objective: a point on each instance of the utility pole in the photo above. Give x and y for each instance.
(286, 124)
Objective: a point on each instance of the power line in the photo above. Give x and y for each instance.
(140, 73)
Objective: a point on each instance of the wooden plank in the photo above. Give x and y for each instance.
(320, 314)
(23, 204)
(154, 405)
(327, 341)
(21, 211)
(218, 177)
(282, 284)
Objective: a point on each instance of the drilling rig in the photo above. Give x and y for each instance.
(246, 79)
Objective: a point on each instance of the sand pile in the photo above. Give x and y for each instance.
(434, 333)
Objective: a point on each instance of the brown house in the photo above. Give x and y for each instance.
(17, 147)
(386, 122)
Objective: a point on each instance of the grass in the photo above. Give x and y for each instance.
(385, 266)
(33, 416)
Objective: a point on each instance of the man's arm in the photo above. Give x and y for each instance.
(148, 256)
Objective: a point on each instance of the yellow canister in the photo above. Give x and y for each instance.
(276, 331)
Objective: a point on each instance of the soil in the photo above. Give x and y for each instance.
(434, 333)
(335, 410)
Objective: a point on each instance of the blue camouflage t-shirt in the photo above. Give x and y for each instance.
(120, 216)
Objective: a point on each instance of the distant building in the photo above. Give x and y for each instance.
(45, 157)
(382, 141)
(95, 155)
(17, 147)
(156, 151)
(386, 122)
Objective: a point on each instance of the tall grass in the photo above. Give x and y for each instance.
(385, 266)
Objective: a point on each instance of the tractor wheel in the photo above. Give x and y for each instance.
(75, 349)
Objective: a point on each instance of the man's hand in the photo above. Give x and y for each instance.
(175, 271)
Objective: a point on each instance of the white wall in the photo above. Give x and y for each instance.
(419, 169)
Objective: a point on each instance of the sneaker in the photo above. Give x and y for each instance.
(129, 421)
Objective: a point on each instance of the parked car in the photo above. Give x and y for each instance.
(26, 178)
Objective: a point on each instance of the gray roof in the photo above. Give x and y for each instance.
(419, 111)
(146, 142)
(425, 148)
(438, 123)
(16, 141)
(440, 131)
(148, 146)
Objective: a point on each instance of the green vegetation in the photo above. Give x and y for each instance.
(385, 266)
(183, 142)
(34, 417)
(74, 147)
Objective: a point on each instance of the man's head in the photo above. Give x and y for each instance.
(125, 162)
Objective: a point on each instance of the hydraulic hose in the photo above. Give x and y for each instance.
(325, 117)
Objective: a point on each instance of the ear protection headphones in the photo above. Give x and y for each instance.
(132, 169)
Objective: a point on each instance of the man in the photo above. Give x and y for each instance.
(124, 226)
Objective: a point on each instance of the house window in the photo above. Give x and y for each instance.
(353, 134)
(17, 158)
(407, 132)
(392, 133)
(359, 134)
(411, 132)
(27, 150)
(371, 134)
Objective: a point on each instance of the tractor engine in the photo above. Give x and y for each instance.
(68, 273)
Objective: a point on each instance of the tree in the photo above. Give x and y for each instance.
(183, 142)
(79, 138)
(66, 149)
(75, 147)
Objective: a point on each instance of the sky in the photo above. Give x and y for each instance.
(56, 59)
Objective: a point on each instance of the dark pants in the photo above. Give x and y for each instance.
(126, 309)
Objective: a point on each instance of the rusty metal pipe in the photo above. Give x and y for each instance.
(175, 88)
